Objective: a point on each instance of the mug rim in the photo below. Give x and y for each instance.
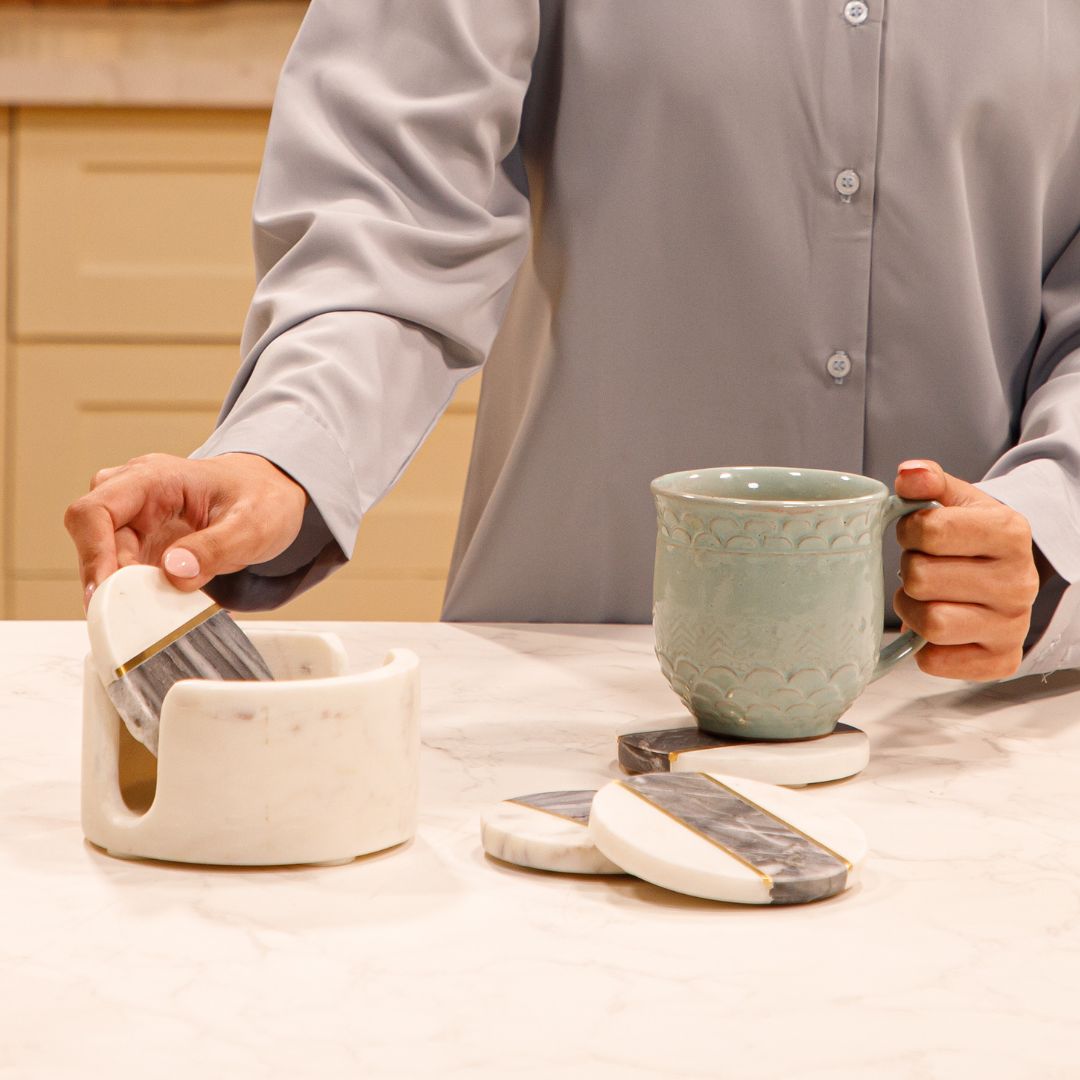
(661, 486)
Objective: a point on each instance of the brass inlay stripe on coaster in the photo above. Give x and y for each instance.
(787, 824)
(674, 755)
(166, 641)
(704, 836)
(545, 810)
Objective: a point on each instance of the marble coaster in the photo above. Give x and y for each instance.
(548, 831)
(146, 635)
(843, 752)
(725, 838)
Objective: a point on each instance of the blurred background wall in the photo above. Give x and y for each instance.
(130, 141)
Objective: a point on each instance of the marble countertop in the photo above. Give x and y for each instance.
(957, 955)
(224, 55)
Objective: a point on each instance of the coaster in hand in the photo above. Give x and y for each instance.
(548, 831)
(146, 635)
(725, 838)
(842, 753)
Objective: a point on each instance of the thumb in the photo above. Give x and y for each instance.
(921, 479)
(221, 548)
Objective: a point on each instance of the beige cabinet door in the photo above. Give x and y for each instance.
(78, 408)
(134, 224)
(81, 407)
(6, 523)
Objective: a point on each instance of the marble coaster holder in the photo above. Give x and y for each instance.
(318, 766)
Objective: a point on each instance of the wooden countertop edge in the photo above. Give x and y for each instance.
(222, 55)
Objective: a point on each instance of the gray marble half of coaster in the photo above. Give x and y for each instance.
(651, 751)
(796, 867)
(215, 649)
(572, 805)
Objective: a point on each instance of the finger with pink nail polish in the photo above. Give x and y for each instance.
(181, 563)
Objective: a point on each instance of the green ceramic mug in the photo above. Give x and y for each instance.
(768, 600)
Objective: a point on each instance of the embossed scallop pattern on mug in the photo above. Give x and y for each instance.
(744, 693)
(768, 533)
(763, 694)
(680, 635)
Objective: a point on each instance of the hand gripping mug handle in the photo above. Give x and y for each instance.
(908, 643)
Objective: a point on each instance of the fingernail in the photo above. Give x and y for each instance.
(87, 594)
(913, 466)
(181, 563)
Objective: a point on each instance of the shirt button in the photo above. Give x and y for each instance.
(848, 182)
(839, 365)
(856, 12)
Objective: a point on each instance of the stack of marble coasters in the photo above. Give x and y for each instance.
(704, 834)
(699, 814)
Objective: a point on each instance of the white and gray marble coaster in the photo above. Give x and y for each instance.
(842, 753)
(547, 831)
(725, 838)
(146, 635)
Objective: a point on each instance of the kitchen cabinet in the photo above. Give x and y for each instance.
(134, 224)
(130, 274)
(5, 451)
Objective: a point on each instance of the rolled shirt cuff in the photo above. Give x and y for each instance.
(1040, 491)
(1058, 646)
(289, 438)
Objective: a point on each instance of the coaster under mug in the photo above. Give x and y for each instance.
(793, 763)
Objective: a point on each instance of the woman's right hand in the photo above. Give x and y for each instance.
(196, 519)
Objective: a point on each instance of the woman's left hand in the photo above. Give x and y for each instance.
(969, 576)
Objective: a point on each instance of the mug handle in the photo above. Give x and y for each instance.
(908, 643)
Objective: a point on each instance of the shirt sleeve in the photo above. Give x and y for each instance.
(389, 223)
(1040, 476)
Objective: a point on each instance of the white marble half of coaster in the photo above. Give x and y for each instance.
(844, 752)
(725, 838)
(548, 831)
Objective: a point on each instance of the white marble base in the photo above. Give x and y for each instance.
(317, 767)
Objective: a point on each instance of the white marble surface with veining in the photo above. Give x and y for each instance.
(218, 55)
(958, 954)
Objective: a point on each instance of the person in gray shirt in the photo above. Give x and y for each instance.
(810, 232)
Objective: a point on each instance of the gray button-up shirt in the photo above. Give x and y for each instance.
(799, 232)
